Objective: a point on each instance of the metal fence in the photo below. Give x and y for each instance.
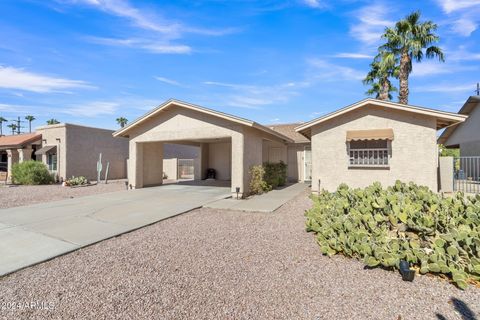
(466, 174)
(186, 168)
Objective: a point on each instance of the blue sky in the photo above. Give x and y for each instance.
(91, 61)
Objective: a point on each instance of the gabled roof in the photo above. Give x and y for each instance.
(444, 119)
(466, 109)
(173, 102)
(288, 130)
(19, 140)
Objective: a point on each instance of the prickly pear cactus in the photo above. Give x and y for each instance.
(382, 226)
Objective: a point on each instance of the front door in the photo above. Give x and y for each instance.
(307, 164)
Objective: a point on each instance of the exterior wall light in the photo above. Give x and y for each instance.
(237, 189)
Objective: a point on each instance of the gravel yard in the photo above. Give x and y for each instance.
(214, 264)
(24, 195)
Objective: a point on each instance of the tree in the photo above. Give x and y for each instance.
(13, 127)
(383, 67)
(407, 40)
(122, 121)
(30, 119)
(2, 120)
(52, 121)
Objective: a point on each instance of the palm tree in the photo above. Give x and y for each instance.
(382, 68)
(122, 121)
(407, 40)
(52, 121)
(30, 119)
(12, 126)
(2, 120)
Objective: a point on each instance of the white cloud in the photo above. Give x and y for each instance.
(371, 25)
(314, 3)
(464, 26)
(332, 72)
(19, 79)
(450, 6)
(256, 96)
(429, 68)
(169, 81)
(91, 109)
(152, 46)
(352, 55)
(462, 54)
(446, 88)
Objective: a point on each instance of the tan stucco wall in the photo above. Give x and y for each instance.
(413, 157)
(274, 151)
(80, 148)
(467, 134)
(445, 171)
(152, 163)
(170, 167)
(220, 159)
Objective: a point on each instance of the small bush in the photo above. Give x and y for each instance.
(402, 222)
(258, 185)
(76, 181)
(275, 174)
(31, 172)
(267, 177)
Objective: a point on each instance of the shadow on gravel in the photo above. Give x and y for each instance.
(462, 308)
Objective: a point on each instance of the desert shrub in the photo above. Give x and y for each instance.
(275, 174)
(382, 226)
(31, 172)
(76, 181)
(258, 185)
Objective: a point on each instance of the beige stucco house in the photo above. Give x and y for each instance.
(16, 149)
(375, 140)
(368, 141)
(466, 135)
(73, 150)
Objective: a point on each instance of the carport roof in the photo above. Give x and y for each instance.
(123, 132)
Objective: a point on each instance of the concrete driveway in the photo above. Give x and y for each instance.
(32, 234)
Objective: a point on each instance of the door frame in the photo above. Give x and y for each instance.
(305, 149)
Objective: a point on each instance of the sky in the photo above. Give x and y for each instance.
(91, 61)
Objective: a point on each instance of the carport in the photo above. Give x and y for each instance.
(231, 145)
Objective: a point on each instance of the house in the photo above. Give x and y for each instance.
(466, 135)
(15, 149)
(369, 141)
(73, 150)
(374, 140)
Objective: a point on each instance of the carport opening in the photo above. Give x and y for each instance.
(190, 162)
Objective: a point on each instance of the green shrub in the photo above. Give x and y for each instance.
(275, 174)
(258, 185)
(383, 226)
(31, 172)
(267, 177)
(76, 181)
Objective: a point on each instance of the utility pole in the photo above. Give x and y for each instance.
(18, 125)
(478, 89)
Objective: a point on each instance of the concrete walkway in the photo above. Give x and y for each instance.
(32, 234)
(267, 202)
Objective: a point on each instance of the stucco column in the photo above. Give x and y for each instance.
(238, 169)
(24, 154)
(12, 158)
(135, 162)
(203, 161)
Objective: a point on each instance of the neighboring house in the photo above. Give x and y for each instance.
(16, 149)
(466, 135)
(375, 140)
(73, 150)
(369, 141)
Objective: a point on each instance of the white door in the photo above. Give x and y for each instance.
(307, 164)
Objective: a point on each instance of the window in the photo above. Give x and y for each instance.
(369, 153)
(52, 161)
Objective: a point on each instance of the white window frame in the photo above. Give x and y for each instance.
(369, 157)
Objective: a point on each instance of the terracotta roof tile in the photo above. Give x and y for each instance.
(19, 139)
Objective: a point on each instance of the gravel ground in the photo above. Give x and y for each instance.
(213, 264)
(24, 195)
